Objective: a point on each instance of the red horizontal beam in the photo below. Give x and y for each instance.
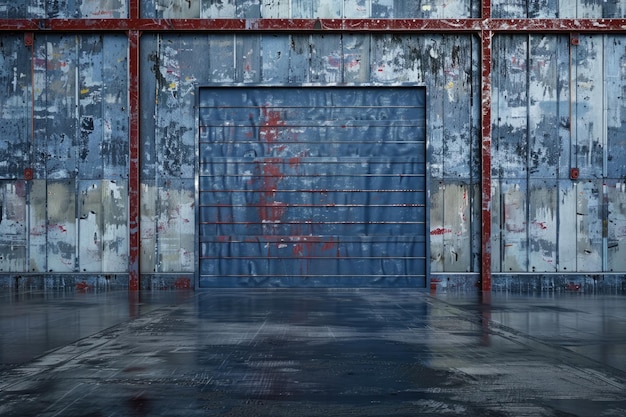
(317, 25)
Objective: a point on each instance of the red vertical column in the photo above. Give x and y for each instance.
(133, 174)
(486, 37)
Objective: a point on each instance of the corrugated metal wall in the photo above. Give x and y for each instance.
(558, 107)
(64, 120)
(441, 63)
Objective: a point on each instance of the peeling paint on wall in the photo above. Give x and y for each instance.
(551, 118)
(68, 105)
(557, 107)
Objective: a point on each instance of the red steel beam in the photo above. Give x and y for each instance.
(485, 271)
(134, 163)
(317, 25)
(486, 37)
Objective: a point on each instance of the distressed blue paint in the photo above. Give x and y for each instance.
(317, 184)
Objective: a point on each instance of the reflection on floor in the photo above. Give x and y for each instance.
(311, 353)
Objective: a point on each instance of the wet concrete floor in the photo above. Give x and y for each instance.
(311, 353)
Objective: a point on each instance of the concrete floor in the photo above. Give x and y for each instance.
(311, 353)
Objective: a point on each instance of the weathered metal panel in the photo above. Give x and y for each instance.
(452, 138)
(458, 84)
(69, 133)
(152, 80)
(568, 230)
(327, 62)
(115, 116)
(90, 92)
(437, 226)
(221, 54)
(328, 187)
(544, 9)
(542, 225)
(590, 8)
(333, 9)
(429, 61)
(544, 148)
(356, 9)
(174, 115)
(248, 61)
(108, 9)
(13, 226)
(423, 9)
(356, 56)
(564, 106)
(38, 230)
(589, 250)
(58, 69)
(476, 231)
(325, 9)
(224, 9)
(450, 227)
(583, 9)
(514, 225)
(510, 107)
(115, 250)
(149, 232)
(90, 226)
(15, 105)
(398, 59)
(589, 133)
(64, 9)
(579, 80)
(615, 105)
(61, 225)
(177, 9)
(275, 9)
(497, 217)
(319, 8)
(299, 59)
(168, 146)
(616, 226)
(276, 63)
(175, 226)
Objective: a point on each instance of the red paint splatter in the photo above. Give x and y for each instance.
(541, 225)
(269, 131)
(20, 188)
(295, 161)
(60, 227)
(271, 211)
(328, 245)
(440, 231)
(182, 283)
(271, 175)
(280, 148)
(298, 249)
(37, 231)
